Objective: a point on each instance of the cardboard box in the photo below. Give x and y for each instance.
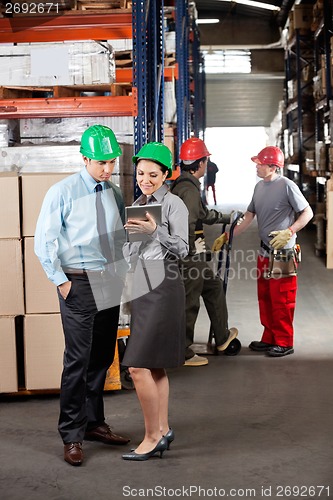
(9, 205)
(43, 354)
(8, 365)
(40, 293)
(34, 188)
(11, 282)
(43, 351)
(302, 17)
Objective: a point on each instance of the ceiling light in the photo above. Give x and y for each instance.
(207, 21)
(253, 3)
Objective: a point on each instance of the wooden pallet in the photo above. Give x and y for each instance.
(124, 58)
(8, 92)
(97, 5)
(170, 59)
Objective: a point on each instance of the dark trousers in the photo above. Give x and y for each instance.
(90, 339)
(200, 280)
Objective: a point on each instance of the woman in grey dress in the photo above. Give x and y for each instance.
(157, 327)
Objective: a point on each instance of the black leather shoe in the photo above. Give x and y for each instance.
(160, 448)
(260, 346)
(104, 434)
(279, 351)
(73, 453)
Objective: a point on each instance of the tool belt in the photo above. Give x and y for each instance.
(282, 263)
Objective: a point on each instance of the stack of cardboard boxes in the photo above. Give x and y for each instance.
(27, 294)
(11, 283)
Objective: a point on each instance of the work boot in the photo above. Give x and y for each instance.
(260, 346)
(278, 351)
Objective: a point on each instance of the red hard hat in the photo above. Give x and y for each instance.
(271, 155)
(193, 149)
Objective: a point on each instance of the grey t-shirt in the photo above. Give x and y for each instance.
(276, 204)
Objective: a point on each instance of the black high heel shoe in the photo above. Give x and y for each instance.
(169, 436)
(160, 448)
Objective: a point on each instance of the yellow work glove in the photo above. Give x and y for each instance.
(219, 242)
(281, 238)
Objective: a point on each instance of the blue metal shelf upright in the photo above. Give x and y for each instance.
(148, 71)
(183, 82)
(199, 84)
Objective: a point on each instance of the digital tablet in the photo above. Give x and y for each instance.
(139, 212)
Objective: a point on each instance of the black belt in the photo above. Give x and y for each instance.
(83, 272)
(265, 247)
(284, 252)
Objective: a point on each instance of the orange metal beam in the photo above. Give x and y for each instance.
(69, 27)
(125, 75)
(69, 106)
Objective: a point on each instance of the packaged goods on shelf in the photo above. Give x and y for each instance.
(4, 136)
(121, 44)
(170, 41)
(44, 158)
(170, 113)
(310, 163)
(126, 173)
(60, 130)
(320, 150)
(8, 363)
(330, 159)
(9, 133)
(59, 63)
(318, 90)
(302, 16)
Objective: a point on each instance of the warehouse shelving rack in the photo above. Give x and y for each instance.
(60, 28)
(324, 106)
(146, 26)
(323, 118)
(299, 58)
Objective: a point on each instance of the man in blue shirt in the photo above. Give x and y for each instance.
(78, 240)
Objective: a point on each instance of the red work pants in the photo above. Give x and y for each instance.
(277, 301)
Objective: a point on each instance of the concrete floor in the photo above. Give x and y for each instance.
(246, 426)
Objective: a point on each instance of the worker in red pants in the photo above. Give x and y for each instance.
(281, 211)
(277, 301)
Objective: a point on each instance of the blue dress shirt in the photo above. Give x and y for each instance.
(66, 233)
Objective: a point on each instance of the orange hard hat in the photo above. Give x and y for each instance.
(193, 149)
(271, 155)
